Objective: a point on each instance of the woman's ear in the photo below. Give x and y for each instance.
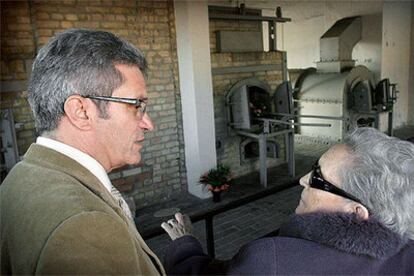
(78, 111)
(357, 208)
(361, 211)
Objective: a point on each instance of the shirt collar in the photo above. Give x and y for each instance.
(82, 158)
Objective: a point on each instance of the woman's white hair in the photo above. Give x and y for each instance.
(381, 174)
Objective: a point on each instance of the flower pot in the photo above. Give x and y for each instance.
(216, 196)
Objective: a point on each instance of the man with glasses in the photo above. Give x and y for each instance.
(60, 213)
(355, 216)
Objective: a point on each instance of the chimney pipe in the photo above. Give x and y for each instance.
(336, 45)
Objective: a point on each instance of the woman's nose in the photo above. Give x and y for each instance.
(304, 180)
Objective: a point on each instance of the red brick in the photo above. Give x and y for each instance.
(66, 24)
(47, 24)
(71, 17)
(56, 16)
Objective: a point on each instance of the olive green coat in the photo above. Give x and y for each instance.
(57, 218)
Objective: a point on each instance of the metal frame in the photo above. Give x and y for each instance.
(243, 14)
(246, 69)
(262, 140)
(267, 131)
(244, 17)
(8, 139)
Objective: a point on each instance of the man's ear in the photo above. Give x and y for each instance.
(78, 111)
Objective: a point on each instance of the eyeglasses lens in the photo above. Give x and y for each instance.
(142, 107)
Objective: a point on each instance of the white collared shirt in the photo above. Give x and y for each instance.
(82, 158)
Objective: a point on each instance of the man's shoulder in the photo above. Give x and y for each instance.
(39, 200)
(48, 172)
(30, 178)
(32, 190)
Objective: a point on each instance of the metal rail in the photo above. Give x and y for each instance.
(309, 116)
(291, 123)
(208, 216)
(239, 17)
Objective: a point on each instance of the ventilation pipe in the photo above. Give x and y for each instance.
(337, 43)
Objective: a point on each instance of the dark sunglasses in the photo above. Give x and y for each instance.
(317, 181)
(140, 104)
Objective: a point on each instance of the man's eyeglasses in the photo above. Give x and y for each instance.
(318, 182)
(140, 104)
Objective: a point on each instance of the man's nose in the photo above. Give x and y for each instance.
(146, 123)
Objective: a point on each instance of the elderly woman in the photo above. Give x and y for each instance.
(355, 216)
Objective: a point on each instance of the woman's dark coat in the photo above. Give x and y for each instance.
(308, 244)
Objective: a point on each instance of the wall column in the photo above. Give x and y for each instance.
(396, 52)
(193, 49)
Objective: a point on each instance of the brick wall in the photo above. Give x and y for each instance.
(17, 51)
(149, 25)
(229, 151)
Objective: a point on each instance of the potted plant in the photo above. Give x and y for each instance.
(217, 180)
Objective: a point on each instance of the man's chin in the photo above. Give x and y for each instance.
(135, 160)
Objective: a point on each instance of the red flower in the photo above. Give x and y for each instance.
(225, 187)
(217, 179)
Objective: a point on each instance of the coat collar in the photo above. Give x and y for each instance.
(346, 233)
(52, 159)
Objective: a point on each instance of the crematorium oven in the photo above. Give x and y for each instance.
(254, 112)
(344, 95)
(324, 103)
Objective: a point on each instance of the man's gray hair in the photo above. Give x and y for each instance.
(77, 61)
(381, 174)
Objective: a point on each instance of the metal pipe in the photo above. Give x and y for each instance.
(248, 17)
(290, 144)
(262, 158)
(312, 124)
(269, 135)
(293, 124)
(210, 236)
(323, 117)
(309, 116)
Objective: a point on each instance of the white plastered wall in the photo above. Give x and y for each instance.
(194, 64)
(396, 53)
(411, 93)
